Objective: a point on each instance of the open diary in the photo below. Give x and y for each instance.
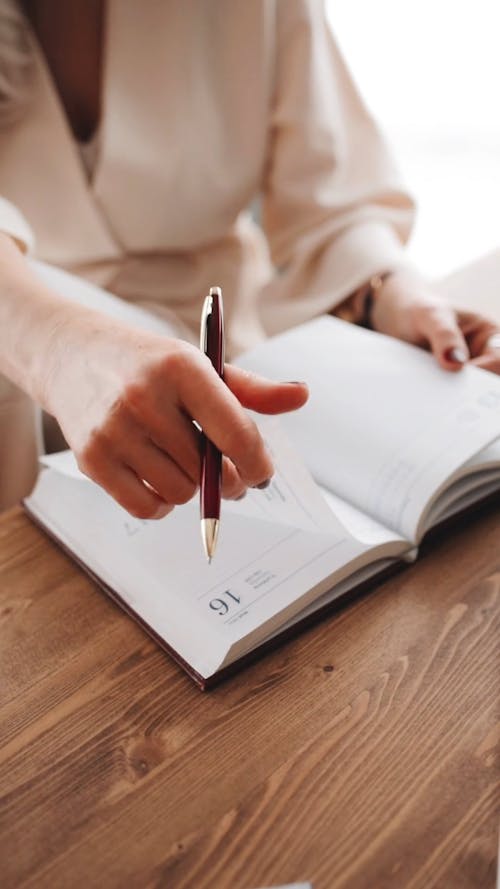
(388, 446)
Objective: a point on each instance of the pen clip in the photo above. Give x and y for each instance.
(205, 314)
(216, 294)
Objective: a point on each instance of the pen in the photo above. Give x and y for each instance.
(212, 344)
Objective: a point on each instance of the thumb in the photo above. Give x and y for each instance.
(263, 395)
(440, 328)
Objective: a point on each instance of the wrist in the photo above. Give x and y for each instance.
(403, 294)
(366, 296)
(386, 291)
(358, 307)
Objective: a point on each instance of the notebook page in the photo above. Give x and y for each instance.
(477, 478)
(260, 570)
(461, 496)
(487, 458)
(384, 426)
(293, 498)
(359, 524)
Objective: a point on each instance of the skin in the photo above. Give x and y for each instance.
(125, 399)
(407, 308)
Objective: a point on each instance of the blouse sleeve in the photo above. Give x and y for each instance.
(333, 208)
(13, 223)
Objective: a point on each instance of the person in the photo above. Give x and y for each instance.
(134, 139)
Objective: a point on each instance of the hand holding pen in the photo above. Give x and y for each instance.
(282, 397)
(129, 423)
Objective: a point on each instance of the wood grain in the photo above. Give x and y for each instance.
(361, 755)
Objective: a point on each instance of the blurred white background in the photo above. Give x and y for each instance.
(430, 73)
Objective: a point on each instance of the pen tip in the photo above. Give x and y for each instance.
(209, 531)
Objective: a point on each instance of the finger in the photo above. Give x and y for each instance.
(477, 330)
(488, 362)
(439, 327)
(124, 486)
(164, 480)
(155, 467)
(265, 396)
(209, 401)
(233, 486)
(171, 431)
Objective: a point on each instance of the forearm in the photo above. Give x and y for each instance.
(30, 316)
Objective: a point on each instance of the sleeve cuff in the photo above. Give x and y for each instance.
(323, 279)
(13, 223)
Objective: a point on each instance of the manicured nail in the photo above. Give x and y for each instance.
(458, 356)
(263, 484)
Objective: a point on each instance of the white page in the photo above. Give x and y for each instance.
(458, 500)
(359, 524)
(160, 571)
(487, 458)
(277, 549)
(64, 462)
(293, 497)
(384, 426)
(474, 480)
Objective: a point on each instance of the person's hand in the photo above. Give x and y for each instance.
(407, 308)
(126, 400)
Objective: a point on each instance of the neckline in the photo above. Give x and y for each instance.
(91, 145)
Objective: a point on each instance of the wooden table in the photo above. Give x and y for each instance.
(358, 756)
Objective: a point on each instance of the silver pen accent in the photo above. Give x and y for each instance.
(209, 533)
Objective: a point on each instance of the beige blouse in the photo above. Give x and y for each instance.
(209, 105)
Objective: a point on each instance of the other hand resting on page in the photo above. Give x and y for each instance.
(406, 307)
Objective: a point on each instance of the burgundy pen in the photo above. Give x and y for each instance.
(212, 344)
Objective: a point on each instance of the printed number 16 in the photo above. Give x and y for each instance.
(221, 605)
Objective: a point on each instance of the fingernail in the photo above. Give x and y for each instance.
(263, 484)
(458, 356)
(162, 511)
